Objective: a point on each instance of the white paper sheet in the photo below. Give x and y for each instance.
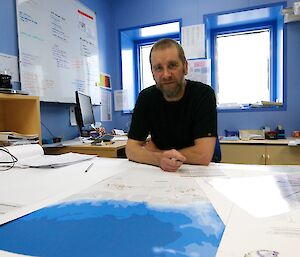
(121, 100)
(262, 196)
(53, 161)
(199, 70)
(73, 121)
(193, 41)
(222, 204)
(23, 151)
(246, 236)
(201, 171)
(106, 106)
(33, 156)
(32, 189)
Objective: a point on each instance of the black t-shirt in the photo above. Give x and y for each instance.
(175, 124)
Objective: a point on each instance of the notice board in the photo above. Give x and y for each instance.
(58, 49)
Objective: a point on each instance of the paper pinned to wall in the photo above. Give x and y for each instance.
(193, 41)
(199, 70)
(121, 100)
(104, 80)
(106, 107)
(73, 121)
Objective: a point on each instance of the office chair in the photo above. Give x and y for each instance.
(217, 156)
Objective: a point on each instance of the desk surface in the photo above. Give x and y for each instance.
(117, 149)
(143, 191)
(257, 141)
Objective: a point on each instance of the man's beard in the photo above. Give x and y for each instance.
(171, 93)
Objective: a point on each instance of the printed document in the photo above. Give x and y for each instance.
(262, 196)
(33, 156)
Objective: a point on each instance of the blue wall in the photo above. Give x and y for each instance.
(113, 15)
(134, 12)
(56, 116)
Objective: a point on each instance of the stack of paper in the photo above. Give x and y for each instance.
(33, 156)
(13, 138)
(266, 104)
(251, 134)
(294, 142)
(53, 161)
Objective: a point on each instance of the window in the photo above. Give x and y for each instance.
(246, 48)
(243, 68)
(136, 44)
(145, 67)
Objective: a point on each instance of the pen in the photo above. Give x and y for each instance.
(89, 167)
(174, 159)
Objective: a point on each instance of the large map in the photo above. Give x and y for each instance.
(135, 214)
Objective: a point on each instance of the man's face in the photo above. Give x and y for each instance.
(168, 72)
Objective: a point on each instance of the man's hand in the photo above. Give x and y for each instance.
(171, 160)
(168, 160)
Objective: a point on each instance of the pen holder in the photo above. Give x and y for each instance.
(5, 81)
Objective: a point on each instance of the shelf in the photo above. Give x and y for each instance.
(20, 113)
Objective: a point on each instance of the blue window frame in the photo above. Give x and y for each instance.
(267, 19)
(131, 42)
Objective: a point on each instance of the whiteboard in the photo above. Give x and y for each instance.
(58, 49)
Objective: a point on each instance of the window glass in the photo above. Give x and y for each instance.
(243, 67)
(127, 77)
(162, 29)
(246, 51)
(145, 67)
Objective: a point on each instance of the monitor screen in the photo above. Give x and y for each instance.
(84, 110)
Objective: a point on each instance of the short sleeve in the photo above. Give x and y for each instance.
(139, 128)
(206, 115)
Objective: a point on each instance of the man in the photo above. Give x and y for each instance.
(180, 115)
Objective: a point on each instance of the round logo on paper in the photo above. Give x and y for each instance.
(262, 253)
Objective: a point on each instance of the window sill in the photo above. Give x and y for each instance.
(251, 108)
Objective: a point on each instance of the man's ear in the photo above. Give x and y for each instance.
(185, 68)
(152, 74)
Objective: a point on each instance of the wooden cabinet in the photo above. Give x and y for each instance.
(237, 153)
(20, 113)
(265, 152)
(282, 154)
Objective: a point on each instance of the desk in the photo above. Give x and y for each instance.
(272, 152)
(117, 149)
(172, 204)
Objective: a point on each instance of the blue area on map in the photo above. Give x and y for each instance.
(114, 229)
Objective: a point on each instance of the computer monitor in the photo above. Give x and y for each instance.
(84, 113)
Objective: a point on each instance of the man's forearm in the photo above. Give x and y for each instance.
(139, 153)
(201, 153)
(194, 157)
(170, 160)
